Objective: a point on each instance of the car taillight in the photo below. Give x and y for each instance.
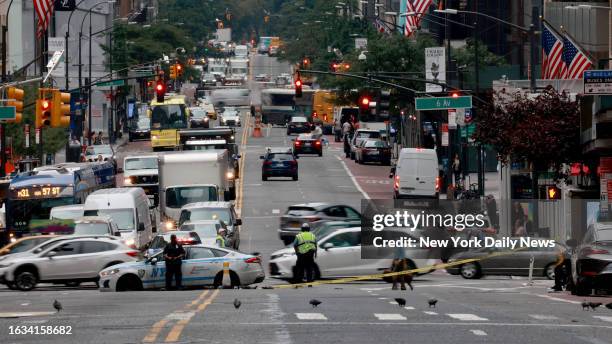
(293, 163)
(267, 163)
(589, 250)
(318, 143)
(396, 184)
(252, 260)
(132, 253)
(438, 183)
(297, 143)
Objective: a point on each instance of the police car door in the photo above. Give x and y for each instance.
(153, 272)
(200, 267)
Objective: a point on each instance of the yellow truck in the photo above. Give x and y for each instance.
(323, 109)
(167, 118)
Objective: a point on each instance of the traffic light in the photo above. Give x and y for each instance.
(298, 87)
(173, 73)
(60, 110)
(364, 102)
(179, 70)
(43, 110)
(17, 95)
(305, 62)
(383, 102)
(160, 91)
(553, 192)
(346, 66)
(455, 94)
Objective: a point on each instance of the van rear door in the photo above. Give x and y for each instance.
(417, 174)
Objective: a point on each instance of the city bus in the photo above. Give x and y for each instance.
(32, 194)
(166, 119)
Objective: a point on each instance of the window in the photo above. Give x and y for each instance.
(141, 164)
(26, 245)
(124, 218)
(171, 116)
(96, 246)
(203, 214)
(67, 249)
(96, 228)
(301, 211)
(352, 213)
(335, 212)
(219, 253)
(345, 239)
(200, 253)
(180, 196)
(281, 157)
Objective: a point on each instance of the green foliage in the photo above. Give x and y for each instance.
(465, 55)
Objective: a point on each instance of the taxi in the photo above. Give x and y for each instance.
(202, 266)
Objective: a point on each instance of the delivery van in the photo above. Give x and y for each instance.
(416, 174)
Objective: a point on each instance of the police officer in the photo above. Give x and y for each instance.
(220, 239)
(173, 255)
(305, 245)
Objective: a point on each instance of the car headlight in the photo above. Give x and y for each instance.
(130, 242)
(205, 119)
(169, 225)
(128, 181)
(109, 272)
(154, 137)
(229, 175)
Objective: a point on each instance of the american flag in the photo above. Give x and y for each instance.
(552, 53)
(576, 61)
(380, 26)
(410, 19)
(420, 7)
(44, 8)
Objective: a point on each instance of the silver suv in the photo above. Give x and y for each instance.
(69, 260)
(223, 211)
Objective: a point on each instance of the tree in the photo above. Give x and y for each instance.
(543, 131)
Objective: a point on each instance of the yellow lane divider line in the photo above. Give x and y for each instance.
(155, 330)
(391, 274)
(243, 143)
(175, 332)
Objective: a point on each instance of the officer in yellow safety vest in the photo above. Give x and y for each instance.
(305, 245)
(220, 239)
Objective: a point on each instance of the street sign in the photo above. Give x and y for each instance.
(597, 82)
(452, 119)
(444, 138)
(111, 83)
(468, 131)
(468, 116)
(55, 59)
(443, 103)
(435, 68)
(361, 43)
(7, 113)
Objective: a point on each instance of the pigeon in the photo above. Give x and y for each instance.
(57, 305)
(594, 305)
(585, 306)
(315, 303)
(237, 303)
(400, 301)
(432, 303)
(609, 305)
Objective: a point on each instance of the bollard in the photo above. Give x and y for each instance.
(530, 281)
(227, 281)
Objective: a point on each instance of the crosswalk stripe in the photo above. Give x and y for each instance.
(467, 317)
(479, 332)
(409, 308)
(383, 298)
(543, 317)
(430, 312)
(389, 316)
(604, 318)
(310, 316)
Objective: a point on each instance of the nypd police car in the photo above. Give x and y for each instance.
(203, 265)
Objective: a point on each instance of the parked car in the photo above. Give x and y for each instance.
(207, 230)
(298, 124)
(96, 225)
(279, 163)
(313, 213)
(514, 264)
(140, 129)
(360, 135)
(307, 144)
(223, 211)
(592, 260)
(70, 261)
(198, 117)
(202, 266)
(373, 151)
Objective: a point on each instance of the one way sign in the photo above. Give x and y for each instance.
(65, 5)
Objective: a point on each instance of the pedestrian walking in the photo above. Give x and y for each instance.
(347, 145)
(337, 131)
(305, 245)
(220, 239)
(346, 127)
(173, 255)
(456, 166)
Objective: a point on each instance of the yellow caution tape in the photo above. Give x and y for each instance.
(391, 274)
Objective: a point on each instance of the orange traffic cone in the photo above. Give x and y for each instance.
(257, 128)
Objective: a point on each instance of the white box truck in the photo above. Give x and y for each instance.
(189, 177)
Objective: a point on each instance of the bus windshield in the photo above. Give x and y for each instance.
(168, 116)
(22, 211)
(277, 99)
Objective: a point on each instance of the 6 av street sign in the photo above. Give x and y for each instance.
(443, 103)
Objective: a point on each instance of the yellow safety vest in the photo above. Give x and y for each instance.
(220, 240)
(306, 242)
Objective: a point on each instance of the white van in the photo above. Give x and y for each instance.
(129, 209)
(66, 212)
(416, 174)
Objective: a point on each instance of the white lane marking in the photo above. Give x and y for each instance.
(275, 211)
(374, 294)
(25, 304)
(555, 298)
(350, 174)
(24, 314)
(430, 313)
(543, 317)
(410, 308)
(35, 321)
(310, 316)
(389, 316)
(374, 288)
(467, 317)
(604, 318)
(180, 315)
(478, 332)
(382, 298)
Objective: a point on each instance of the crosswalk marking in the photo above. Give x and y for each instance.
(604, 318)
(310, 316)
(543, 317)
(383, 298)
(430, 312)
(389, 316)
(467, 317)
(479, 332)
(409, 308)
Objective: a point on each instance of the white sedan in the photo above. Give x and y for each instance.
(203, 266)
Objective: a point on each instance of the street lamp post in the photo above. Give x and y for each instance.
(4, 39)
(67, 36)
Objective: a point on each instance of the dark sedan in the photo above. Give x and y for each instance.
(373, 151)
(298, 124)
(307, 144)
(592, 260)
(140, 129)
(279, 164)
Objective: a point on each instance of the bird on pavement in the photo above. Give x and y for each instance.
(400, 301)
(609, 305)
(315, 303)
(57, 305)
(432, 303)
(585, 305)
(594, 305)
(237, 303)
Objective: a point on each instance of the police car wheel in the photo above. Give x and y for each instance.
(129, 283)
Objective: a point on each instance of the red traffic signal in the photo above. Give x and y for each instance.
(298, 88)
(160, 90)
(553, 192)
(364, 102)
(454, 94)
(45, 105)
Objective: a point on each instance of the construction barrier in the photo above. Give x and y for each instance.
(257, 127)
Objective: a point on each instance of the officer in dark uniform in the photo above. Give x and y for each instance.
(173, 255)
